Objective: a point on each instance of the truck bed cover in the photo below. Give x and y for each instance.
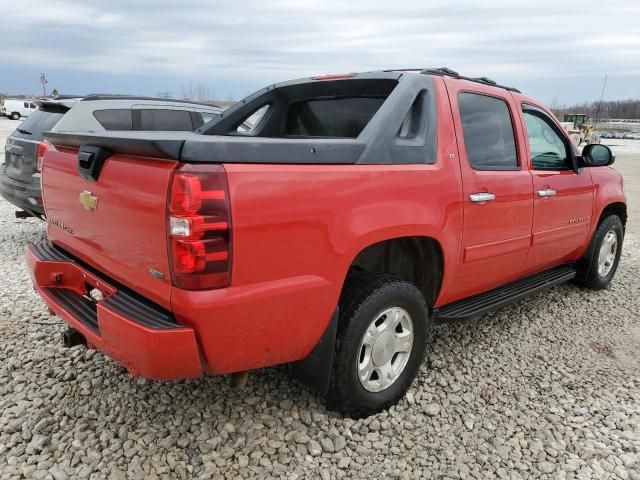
(195, 148)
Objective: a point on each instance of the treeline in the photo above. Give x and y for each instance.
(619, 109)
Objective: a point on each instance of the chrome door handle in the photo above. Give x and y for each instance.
(547, 192)
(482, 197)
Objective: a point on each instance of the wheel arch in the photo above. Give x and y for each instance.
(615, 208)
(584, 264)
(417, 259)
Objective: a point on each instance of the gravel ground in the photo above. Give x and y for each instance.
(547, 388)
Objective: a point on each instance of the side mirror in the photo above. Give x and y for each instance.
(596, 155)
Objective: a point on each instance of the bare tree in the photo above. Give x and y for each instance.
(198, 92)
(622, 109)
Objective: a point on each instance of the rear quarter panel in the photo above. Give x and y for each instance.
(296, 231)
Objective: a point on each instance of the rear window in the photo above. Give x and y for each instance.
(335, 117)
(114, 119)
(37, 123)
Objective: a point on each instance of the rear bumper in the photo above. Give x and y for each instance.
(23, 195)
(137, 334)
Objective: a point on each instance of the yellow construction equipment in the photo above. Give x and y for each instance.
(580, 128)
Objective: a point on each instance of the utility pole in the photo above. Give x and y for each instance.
(600, 103)
(43, 81)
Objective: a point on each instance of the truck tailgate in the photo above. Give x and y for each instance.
(117, 223)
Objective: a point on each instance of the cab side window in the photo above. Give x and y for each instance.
(549, 151)
(488, 132)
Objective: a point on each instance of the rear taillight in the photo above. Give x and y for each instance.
(199, 228)
(42, 149)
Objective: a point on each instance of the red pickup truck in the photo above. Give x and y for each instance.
(326, 223)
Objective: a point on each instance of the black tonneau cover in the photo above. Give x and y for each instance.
(166, 145)
(195, 148)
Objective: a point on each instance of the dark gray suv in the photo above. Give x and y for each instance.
(20, 174)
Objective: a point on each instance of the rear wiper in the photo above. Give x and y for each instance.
(24, 132)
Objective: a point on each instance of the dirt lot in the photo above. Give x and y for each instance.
(547, 388)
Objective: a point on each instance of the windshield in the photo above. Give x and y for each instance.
(37, 123)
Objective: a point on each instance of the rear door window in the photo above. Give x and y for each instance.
(335, 117)
(114, 119)
(37, 123)
(166, 120)
(488, 132)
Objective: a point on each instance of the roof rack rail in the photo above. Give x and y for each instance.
(447, 72)
(115, 96)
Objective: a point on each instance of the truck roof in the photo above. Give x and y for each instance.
(447, 72)
(439, 72)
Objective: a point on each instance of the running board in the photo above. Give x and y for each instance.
(473, 307)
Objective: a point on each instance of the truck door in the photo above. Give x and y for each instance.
(563, 197)
(497, 187)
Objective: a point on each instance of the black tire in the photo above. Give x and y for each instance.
(15, 116)
(588, 274)
(364, 297)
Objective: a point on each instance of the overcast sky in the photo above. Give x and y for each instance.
(553, 50)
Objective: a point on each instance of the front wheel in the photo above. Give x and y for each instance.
(604, 254)
(382, 334)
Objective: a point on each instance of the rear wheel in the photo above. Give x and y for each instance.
(15, 116)
(382, 333)
(604, 254)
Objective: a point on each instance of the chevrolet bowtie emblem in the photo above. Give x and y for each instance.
(88, 201)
